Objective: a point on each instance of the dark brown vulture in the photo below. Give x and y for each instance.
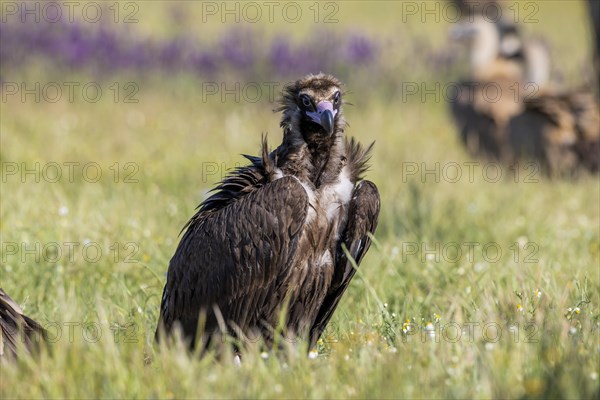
(17, 331)
(268, 244)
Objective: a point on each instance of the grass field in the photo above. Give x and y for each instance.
(478, 285)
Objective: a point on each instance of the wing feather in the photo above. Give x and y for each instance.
(17, 328)
(230, 256)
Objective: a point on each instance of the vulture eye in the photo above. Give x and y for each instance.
(336, 98)
(306, 101)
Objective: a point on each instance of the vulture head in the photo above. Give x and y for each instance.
(312, 110)
(481, 37)
(496, 49)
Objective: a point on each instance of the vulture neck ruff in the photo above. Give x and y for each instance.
(322, 171)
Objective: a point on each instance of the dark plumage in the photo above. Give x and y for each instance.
(17, 331)
(269, 241)
(482, 124)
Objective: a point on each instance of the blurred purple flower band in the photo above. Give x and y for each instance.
(78, 46)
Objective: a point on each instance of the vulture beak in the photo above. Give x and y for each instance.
(324, 115)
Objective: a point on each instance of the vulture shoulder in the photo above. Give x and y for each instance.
(240, 182)
(234, 251)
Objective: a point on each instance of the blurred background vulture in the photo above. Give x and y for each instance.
(17, 331)
(500, 63)
(509, 110)
(268, 249)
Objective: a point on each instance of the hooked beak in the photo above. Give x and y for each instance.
(324, 116)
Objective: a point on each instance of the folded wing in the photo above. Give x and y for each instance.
(17, 329)
(230, 262)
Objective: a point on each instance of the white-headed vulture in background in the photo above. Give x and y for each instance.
(269, 243)
(525, 117)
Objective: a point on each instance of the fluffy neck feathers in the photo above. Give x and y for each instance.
(312, 158)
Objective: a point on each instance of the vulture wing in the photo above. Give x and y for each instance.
(15, 328)
(230, 262)
(363, 214)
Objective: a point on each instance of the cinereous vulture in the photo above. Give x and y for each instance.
(271, 247)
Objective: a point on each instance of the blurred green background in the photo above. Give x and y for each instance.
(86, 255)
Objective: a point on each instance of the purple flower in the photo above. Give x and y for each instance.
(203, 62)
(281, 56)
(106, 49)
(360, 49)
(237, 48)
